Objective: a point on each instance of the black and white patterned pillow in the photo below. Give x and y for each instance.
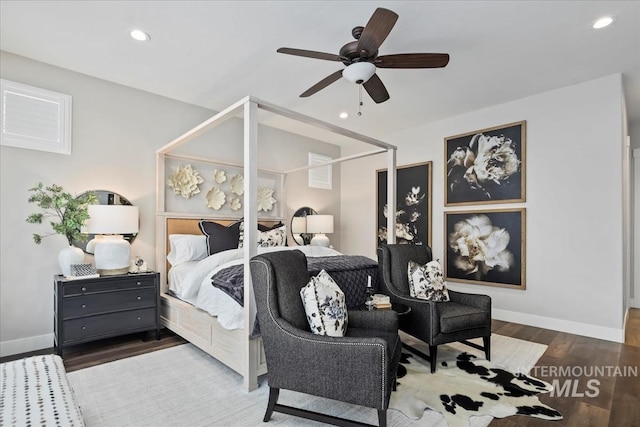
(325, 306)
(276, 236)
(427, 281)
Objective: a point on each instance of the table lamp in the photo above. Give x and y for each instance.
(298, 228)
(109, 222)
(319, 225)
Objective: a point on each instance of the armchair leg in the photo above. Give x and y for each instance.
(487, 347)
(433, 354)
(273, 400)
(382, 417)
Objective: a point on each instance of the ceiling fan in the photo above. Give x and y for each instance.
(361, 57)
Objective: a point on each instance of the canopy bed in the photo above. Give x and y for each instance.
(239, 348)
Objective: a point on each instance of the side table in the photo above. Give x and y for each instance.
(102, 307)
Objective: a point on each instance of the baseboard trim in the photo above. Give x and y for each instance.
(576, 328)
(25, 345)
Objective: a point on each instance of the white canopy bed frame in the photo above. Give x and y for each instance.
(236, 348)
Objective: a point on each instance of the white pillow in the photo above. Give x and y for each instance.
(427, 281)
(325, 306)
(186, 247)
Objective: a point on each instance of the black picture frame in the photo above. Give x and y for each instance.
(415, 218)
(486, 166)
(466, 233)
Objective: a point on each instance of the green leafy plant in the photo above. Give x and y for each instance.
(66, 213)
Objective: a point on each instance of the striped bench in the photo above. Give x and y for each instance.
(35, 391)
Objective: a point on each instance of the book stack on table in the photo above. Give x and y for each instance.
(381, 302)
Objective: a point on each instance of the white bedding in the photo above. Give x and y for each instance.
(191, 282)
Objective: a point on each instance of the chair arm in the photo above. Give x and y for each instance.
(382, 320)
(483, 302)
(343, 368)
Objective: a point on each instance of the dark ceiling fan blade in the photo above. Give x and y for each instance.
(412, 60)
(376, 90)
(377, 30)
(322, 84)
(310, 54)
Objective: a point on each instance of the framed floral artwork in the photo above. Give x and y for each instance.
(486, 166)
(413, 207)
(486, 247)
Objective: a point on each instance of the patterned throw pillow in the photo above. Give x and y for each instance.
(325, 306)
(276, 236)
(427, 281)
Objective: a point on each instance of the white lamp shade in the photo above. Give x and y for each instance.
(359, 72)
(320, 224)
(299, 225)
(111, 219)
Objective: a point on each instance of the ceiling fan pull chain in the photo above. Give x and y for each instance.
(360, 100)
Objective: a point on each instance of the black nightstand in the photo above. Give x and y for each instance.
(102, 307)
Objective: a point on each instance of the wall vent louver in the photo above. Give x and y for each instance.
(320, 177)
(35, 118)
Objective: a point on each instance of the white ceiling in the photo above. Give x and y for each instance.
(213, 53)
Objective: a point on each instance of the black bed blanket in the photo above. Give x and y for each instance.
(350, 272)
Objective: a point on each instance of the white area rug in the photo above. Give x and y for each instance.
(183, 386)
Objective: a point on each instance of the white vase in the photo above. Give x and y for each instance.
(70, 255)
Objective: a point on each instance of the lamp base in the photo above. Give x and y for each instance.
(113, 272)
(320, 239)
(112, 254)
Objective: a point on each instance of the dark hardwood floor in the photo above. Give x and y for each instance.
(108, 350)
(592, 399)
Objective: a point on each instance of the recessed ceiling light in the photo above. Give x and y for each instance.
(344, 115)
(139, 35)
(602, 22)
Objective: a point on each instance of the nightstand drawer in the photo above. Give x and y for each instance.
(85, 305)
(97, 286)
(106, 324)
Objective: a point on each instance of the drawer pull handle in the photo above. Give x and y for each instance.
(83, 289)
(139, 298)
(83, 328)
(139, 318)
(84, 306)
(138, 283)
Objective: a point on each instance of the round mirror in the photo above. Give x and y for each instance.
(106, 197)
(299, 226)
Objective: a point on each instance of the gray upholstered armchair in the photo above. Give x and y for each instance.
(464, 317)
(359, 368)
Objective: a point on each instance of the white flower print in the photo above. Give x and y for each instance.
(215, 198)
(184, 181)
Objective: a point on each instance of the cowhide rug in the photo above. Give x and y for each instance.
(465, 386)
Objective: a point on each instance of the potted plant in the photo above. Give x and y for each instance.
(66, 215)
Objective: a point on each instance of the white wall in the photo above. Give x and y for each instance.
(116, 131)
(574, 204)
(281, 151)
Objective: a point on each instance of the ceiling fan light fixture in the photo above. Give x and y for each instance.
(359, 72)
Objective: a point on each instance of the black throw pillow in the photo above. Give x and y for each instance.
(220, 237)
